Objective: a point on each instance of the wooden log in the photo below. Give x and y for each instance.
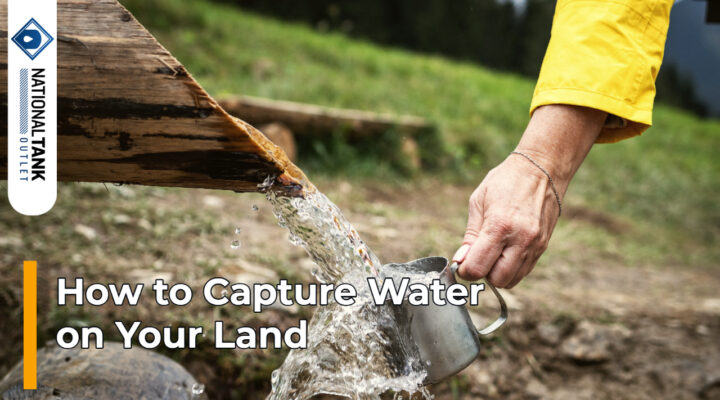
(129, 112)
(307, 119)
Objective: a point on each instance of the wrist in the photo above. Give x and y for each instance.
(558, 138)
(560, 171)
(544, 176)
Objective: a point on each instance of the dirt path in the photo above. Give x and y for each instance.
(587, 324)
(591, 322)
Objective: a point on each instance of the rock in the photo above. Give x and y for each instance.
(682, 375)
(121, 219)
(86, 232)
(711, 306)
(10, 241)
(711, 389)
(702, 330)
(591, 342)
(145, 224)
(213, 201)
(536, 389)
(549, 334)
(108, 373)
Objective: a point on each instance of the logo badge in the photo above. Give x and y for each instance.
(32, 39)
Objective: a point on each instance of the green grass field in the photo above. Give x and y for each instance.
(666, 182)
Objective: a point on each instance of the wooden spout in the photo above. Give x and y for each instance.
(129, 112)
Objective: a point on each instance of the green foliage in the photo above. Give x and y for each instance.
(493, 33)
(667, 178)
(339, 155)
(490, 32)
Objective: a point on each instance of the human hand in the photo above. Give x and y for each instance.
(510, 219)
(514, 210)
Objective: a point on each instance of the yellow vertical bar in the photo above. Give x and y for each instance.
(30, 325)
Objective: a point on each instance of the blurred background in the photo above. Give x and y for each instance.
(625, 302)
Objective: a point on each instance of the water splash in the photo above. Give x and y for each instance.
(360, 351)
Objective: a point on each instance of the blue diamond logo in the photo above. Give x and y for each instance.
(32, 39)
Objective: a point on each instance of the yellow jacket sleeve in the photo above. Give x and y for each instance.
(606, 54)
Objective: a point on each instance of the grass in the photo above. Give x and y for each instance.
(668, 178)
(659, 192)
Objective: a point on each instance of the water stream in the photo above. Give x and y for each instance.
(361, 351)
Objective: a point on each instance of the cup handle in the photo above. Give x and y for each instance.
(503, 307)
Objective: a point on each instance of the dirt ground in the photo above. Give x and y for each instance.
(591, 322)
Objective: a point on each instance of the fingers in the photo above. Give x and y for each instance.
(507, 267)
(481, 256)
(508, 227)
(536, 249)
(504, 251)
(461, 253)
(523, 271)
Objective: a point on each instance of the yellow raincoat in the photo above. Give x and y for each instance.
(606, 54)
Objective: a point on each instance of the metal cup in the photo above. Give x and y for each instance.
(446, 337)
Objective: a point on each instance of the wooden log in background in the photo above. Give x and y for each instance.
(308, 119)
(129, 112)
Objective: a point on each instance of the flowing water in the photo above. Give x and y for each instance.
(360, 351)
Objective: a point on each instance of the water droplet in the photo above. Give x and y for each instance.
(237, 231)
(235, 244)
(198, 388)
(255, 207)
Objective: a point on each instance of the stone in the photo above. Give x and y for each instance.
(86, 232)
(594, 343)
(145, 224)
(121, 219)
(549, 334)
(536, 389)
(711, 306)
(10, 241)
(213, 201)
(702, 330)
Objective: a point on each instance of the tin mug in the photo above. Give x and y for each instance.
(446, 338)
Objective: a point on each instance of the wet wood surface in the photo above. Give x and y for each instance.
(129, 112)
